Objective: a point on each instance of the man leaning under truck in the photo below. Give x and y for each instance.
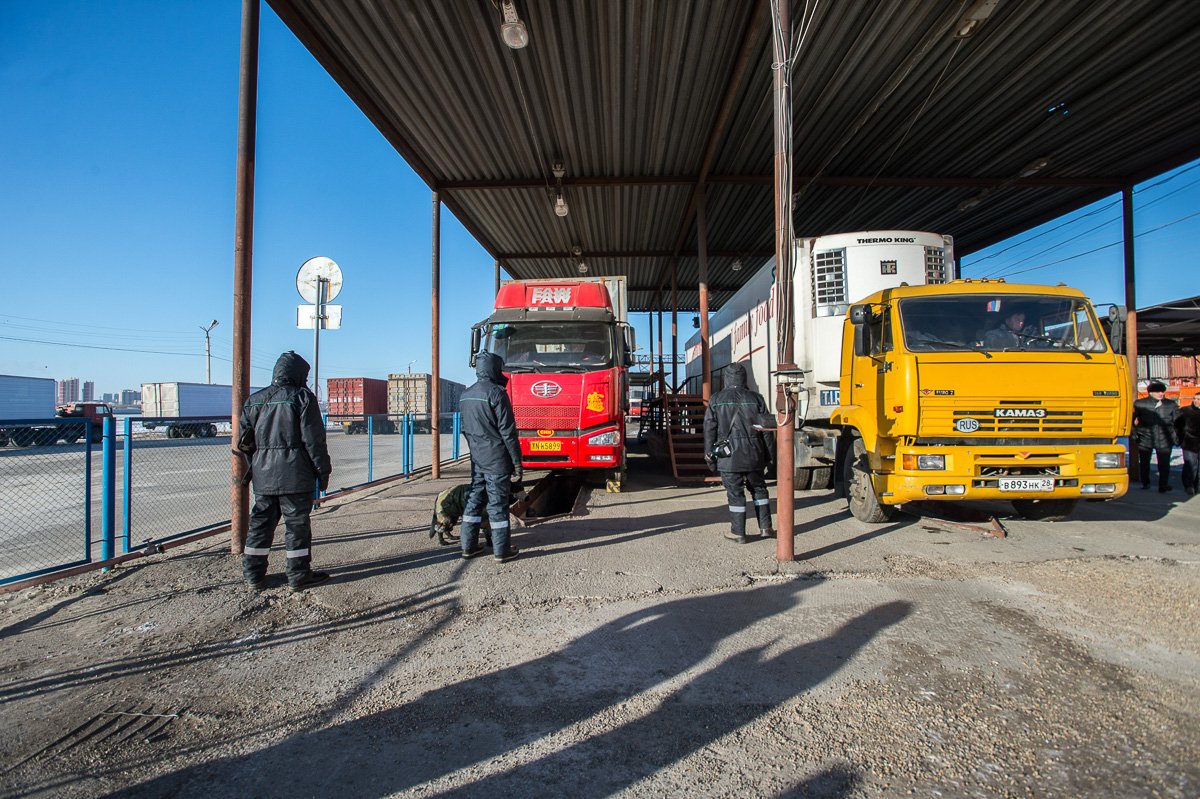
(736, 415)
(283, 434)
(491, 430)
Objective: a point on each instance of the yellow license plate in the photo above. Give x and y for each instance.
(545, 446)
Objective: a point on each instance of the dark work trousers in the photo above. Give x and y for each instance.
(735, 484)
(1191, 471)
(495, 489)
(1164, 466)
(264, 517)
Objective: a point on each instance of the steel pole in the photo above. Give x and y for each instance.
(705, 358)
(661, 361)
(318, 316)
(435, 388)
(674, 324)
(1131, 339)
(497, 277)
(243, 251)
(785, 432)
(207, 359)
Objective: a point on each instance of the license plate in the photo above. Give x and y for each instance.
(545, 446)
(1026, 483)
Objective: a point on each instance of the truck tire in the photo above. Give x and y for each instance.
(864, 505)
(173, 432)
(210, 430)
(822, 478)
(71, 436)
(802, 479)
(1044, 510)
(23, 437)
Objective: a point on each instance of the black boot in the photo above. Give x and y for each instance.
(307, 580)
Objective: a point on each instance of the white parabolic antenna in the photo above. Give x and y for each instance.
(315, 269)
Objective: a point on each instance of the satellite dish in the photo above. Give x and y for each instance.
(315, 269)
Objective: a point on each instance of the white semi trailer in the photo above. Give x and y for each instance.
(831, 272)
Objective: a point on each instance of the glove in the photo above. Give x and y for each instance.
(712, 463)
(518, 474)
(323, 482)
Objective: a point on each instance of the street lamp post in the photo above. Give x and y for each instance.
(208, 352)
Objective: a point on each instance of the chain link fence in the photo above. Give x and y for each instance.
(65, 504)
(46, 491)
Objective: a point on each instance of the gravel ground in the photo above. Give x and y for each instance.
(627, 652)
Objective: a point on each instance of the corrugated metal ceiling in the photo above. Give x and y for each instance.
(897, 122)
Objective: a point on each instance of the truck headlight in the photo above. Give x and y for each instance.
(1110, 460)
(610, 439)
(923, 462)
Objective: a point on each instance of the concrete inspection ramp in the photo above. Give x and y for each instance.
(630, 652)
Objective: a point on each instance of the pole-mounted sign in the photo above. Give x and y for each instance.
(318, 281)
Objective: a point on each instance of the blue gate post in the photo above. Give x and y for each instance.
(406, 434)
(87, 490)
(370, 449)
(108, 499)
(324, 426)
(127, 486)
(457, 426)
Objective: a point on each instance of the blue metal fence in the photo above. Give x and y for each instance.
(159, 479)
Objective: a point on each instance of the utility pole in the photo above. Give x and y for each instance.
(208, 352)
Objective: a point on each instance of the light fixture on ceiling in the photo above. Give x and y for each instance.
(512, 30)
(580, 264)
(968, 25)
(971, 202)
(737, 264)
(1034, 166)
(560, 204)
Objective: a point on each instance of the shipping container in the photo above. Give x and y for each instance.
(412, 392)
(1183, 367)
(359, 397)
(26, 397)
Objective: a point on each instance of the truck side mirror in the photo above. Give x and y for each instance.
(859, 314)
(862, 339)
(630, 341)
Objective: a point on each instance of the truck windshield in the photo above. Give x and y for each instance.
(552, 346)
(999, 323)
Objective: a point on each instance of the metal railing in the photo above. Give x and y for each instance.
(73, 492)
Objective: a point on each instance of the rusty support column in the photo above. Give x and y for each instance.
(784, 303)
(674, 324)
(650, 338)
(497, 277)
(661, 360)
(705, 356)
(435, 378)
(243, 257)
(1131, 341)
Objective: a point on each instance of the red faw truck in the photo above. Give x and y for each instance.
(567, 348)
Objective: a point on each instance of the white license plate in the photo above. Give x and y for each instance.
(1026, 483)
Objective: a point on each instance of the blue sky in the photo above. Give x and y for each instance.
(119, 148)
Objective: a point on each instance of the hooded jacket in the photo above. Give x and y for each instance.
(731, 414)
(1187, 428)
(488, 421)
(282, 431)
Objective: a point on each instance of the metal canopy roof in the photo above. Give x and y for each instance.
(898, 124)
(1172, 328)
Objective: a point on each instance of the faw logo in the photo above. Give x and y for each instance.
(545, 389)
(1019, 413)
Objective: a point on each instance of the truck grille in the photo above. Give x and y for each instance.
(1082, 416)
(541, 417)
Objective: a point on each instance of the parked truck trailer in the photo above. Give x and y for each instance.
(567, 348)
(411, 393)
(32, 398)
(910, 388)
(193, 405)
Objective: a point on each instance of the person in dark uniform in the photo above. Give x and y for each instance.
(736, 415)
(1154, 431)
(1187, 432)
(284, 436)
(491, 431)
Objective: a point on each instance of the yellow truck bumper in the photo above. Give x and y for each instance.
(1005, 473)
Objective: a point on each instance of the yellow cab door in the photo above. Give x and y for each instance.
(870, 362)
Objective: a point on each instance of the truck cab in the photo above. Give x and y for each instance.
(980, 390)
(96, 412)
(566, 351)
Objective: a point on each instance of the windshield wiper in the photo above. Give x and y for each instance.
(1055, 341)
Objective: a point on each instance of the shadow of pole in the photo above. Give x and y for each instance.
(481, 718)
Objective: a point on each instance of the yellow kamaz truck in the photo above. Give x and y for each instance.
(913, 386)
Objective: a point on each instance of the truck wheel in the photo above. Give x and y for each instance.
(822, 478)
(802, 479)
(864, 505)
(23, 437)
(71, 437)
(172, 432)
(1044, 510)
(210, 430)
